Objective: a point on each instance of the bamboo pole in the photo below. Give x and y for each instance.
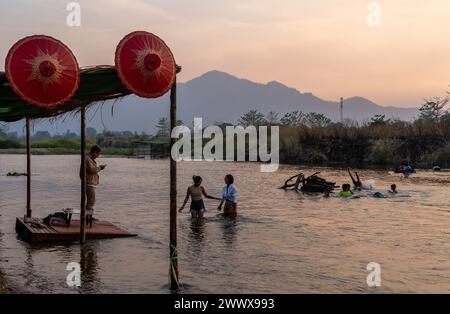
(83, 176)
(173, 270)
(27, 126)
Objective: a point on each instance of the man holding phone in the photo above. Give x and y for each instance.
(92, 180)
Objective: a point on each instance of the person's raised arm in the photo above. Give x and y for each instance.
(188, 193)
(209, 196)
(351, 176)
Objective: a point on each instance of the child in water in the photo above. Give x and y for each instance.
(378, 195)
(229, 197)
(357, 184)
(196, 192)
(393, 189)
(346, 192)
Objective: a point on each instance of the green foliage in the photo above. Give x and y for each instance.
(379, 120)
(433, 110)
(385, 152)
(440, 156)
(294, 118)
(63, 143)
(9, 143)
(252, 118)
(273, 118)
(317, 120)
(163, 127)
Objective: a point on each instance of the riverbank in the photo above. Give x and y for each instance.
(117, 152)
(23, 151)
(365, 147)
(304, 162)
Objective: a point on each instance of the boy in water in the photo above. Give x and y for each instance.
(346, 192)
(393, 189)
(356, 182)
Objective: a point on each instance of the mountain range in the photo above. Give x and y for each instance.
(216, 97)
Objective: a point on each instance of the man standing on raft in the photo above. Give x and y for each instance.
(92, 180)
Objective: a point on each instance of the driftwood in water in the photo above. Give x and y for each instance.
(313, 183)
(16, 174)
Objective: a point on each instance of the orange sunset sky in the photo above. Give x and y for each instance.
(321, 46)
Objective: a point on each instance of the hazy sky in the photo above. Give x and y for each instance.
(321, 46)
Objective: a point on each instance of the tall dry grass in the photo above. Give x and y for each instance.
(424, 144)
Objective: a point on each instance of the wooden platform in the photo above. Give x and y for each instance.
(38, 232)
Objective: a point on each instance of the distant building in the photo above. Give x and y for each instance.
(70, 134)
(12, 135)
(91, 132)
(41, 135)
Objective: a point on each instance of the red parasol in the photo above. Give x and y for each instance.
(42, 71)
(145, 64)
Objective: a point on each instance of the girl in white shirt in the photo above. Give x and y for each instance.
(229, 197)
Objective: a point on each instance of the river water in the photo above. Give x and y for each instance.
(282, 241)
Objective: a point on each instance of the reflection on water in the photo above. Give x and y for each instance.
(197, 230)
(282, 241)
(90, 281)
(229, 232)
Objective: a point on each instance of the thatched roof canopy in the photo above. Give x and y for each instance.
(96, 84)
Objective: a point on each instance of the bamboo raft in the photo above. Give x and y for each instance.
(36, 231)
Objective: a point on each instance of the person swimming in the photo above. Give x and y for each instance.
(393, 189)
(408, 170)
(346, 191)
(378, 195)
(196, 193)
(405, 169)
(15, 174)
(357, 184)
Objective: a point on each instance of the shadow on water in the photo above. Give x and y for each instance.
(197, 227)
(198, 230)
(30, 272)
(37, 279)
(204, 237)
(196, 240)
